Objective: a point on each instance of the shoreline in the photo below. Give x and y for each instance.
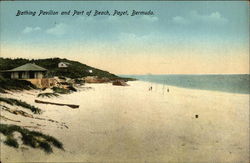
(159, 85)
(233, 83)
(133, 124)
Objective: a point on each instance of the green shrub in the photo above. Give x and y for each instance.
(60, 90)
(46, 147)
(62, 77)
(47, 95)
(79, 81)
(33, 139)
(10, 141)
(71, 88)
(14, 84)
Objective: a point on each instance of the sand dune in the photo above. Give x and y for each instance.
(132, 124)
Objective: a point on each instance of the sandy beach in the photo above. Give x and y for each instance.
(132, 124)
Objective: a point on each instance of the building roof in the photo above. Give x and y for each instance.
(66, 63)
(28, 67)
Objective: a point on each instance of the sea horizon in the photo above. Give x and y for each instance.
(231, 83)
(188, 74)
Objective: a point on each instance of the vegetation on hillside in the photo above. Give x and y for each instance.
(33, 139)
(74, 70)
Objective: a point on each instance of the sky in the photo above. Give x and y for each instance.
(186, 37)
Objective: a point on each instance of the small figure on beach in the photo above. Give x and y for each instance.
(168, 90)
(150, 88)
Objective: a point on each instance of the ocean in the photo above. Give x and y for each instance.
(233, 83)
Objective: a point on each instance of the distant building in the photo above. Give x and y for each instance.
(27, 71)
(63, 64)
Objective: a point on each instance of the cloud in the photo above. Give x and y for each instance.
(113, 18)
(141, 41)
(150, 18)
(85, 19)
(30, 29)
(214, 18)
(180, 20)
(58, 29)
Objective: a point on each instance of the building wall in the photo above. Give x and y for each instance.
(14, 75)
(62, 65)
(26, 75)
(38, 75)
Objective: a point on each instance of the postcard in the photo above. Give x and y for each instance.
(124, 81)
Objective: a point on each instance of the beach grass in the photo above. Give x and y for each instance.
(60, 90)
(14, 84)
(10, 141)
(79, 81)
(23, 104)
(47, 95)
(32, 139)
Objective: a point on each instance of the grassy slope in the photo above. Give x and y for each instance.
(74, 70)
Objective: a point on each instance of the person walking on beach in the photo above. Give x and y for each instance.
(150, 88)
